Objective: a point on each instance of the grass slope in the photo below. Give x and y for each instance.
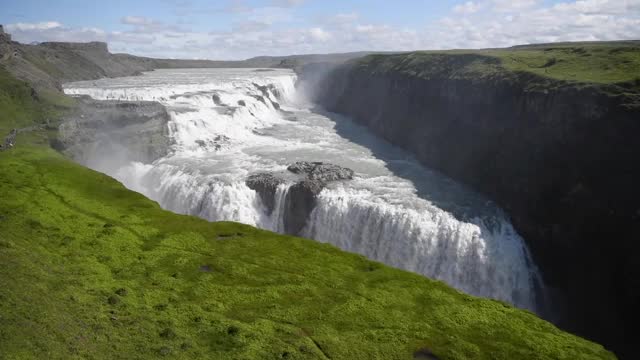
(91, 270)
(616, 64)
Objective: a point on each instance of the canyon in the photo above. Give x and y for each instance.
(505, 181)
(234, 131)
(555, 154)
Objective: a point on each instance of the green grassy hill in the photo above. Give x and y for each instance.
(614, 66)
(91, 270)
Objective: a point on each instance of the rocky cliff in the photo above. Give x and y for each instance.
(48, 65)
(560, 156)
(4, 36)
(308, 180)
(115, 132)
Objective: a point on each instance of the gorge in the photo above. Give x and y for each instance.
(229, 125)
(495, 172)
(554, 152)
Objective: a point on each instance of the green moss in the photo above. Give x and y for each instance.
(591, 62)
(39, 60)
(22, 106)
(89, 269)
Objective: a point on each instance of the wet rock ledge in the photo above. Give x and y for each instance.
(309, 180)
(115, 131)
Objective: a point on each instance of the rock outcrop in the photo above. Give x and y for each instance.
(309, 180)
(561, 158)
(301, 198)
(321, 172)
(300, 201)
(265, 184)
(131, 131)
(9, 140)
(3, 35)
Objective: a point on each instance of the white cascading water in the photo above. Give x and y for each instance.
(229, 123)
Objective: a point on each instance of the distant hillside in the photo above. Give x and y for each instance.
(48, 64)
(616, 62)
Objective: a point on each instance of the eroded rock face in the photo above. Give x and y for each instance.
(9, 141)
(265, 184)
(300, 201)
(321, 171)
(216, 100)
(113, 132)
(301, 198)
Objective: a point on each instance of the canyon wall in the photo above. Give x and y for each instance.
(104, 134)
(561, 158)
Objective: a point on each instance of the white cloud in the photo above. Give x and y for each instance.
(343, 18)
(47, 25)
(287, 3)
(276, 31)
(136, 20)
(583, 20)
(250, 26)
(146, 25)
(469, 7)
(270, 15)
(319, 34)
(514, 5)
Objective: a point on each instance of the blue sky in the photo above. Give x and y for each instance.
(227, 29)
(213, 15)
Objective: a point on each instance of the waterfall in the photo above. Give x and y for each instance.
(470, 256)
(277, 217)
(227, 124)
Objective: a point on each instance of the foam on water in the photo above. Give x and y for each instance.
(230, 123)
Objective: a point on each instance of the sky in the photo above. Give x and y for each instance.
(239, 29)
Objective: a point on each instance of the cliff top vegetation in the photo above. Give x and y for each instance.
(603, 63)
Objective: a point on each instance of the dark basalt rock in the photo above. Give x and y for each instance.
(216, 100)
(275, 91)
(321, 171)
(266, 91)
(299, 203)
(263, 89)
(301, 197)
(265, 185)
(259, 98)
(10, 140)
(424, 354)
